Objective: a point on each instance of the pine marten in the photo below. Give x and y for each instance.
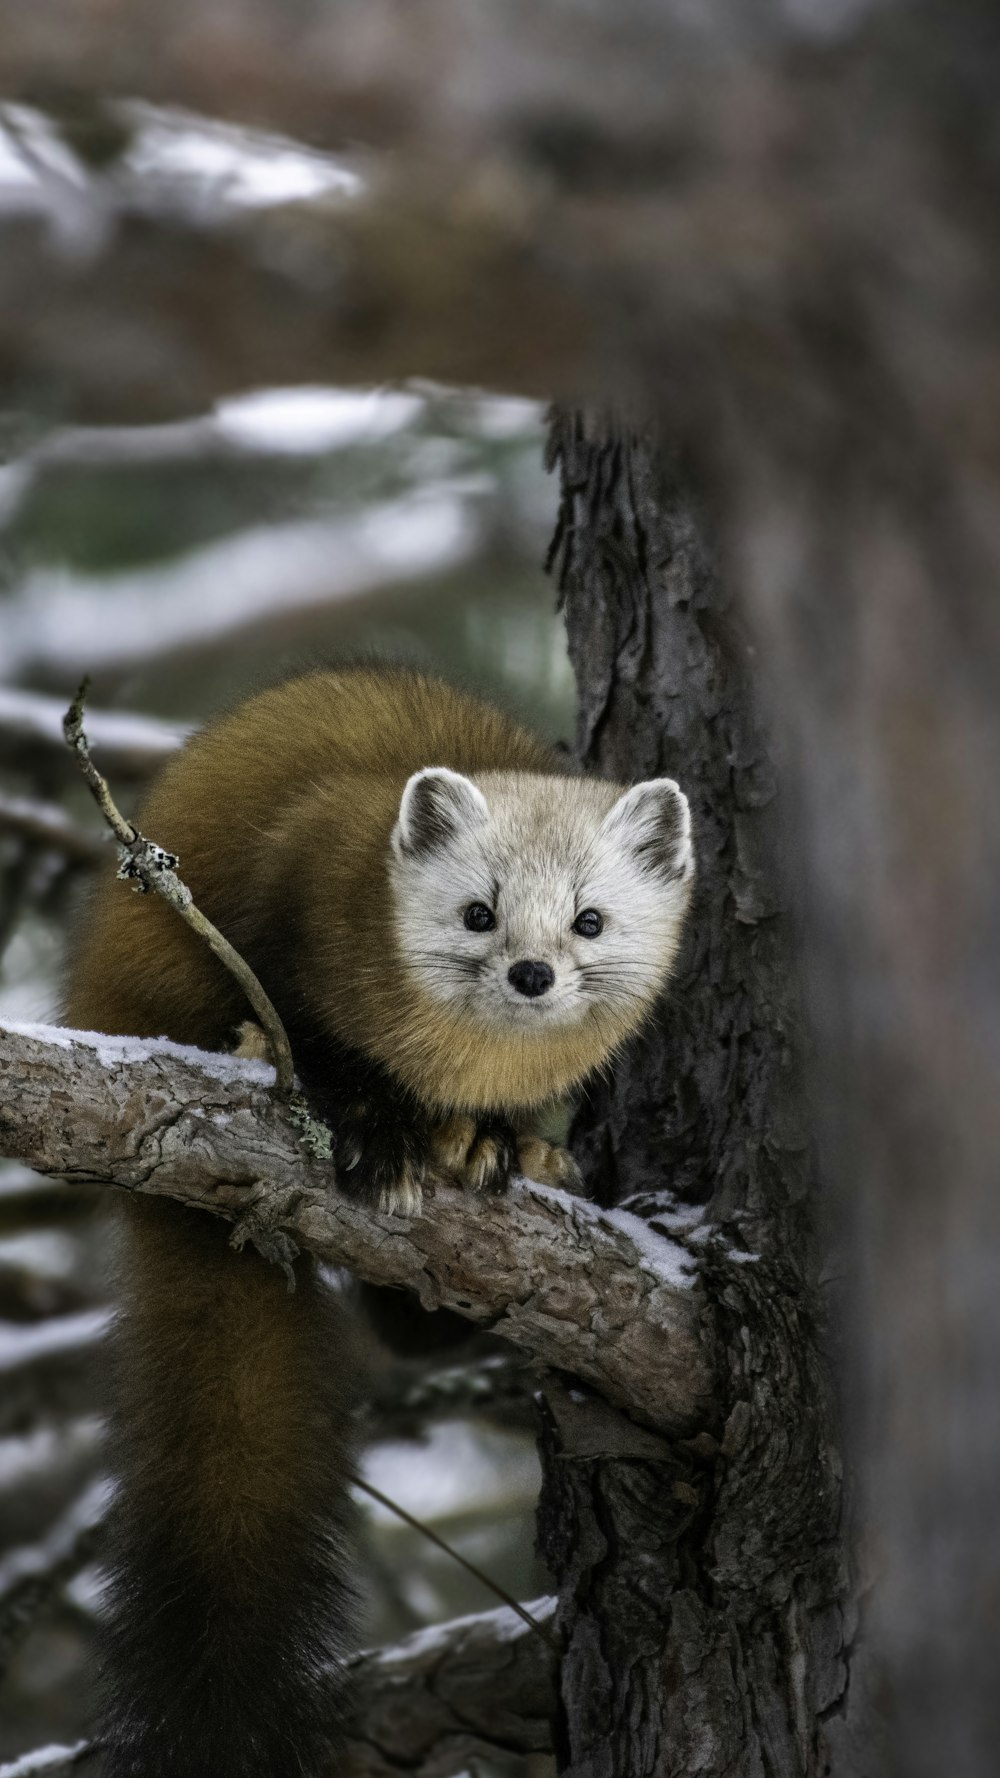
(454, 930)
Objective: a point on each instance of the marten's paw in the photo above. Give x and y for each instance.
(252, 1042)
(480, 1153)
(380, 1160)
(547, 1163)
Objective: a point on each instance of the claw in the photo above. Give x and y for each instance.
(548, 1164)
(485, 1169)
(479, 1158)
(404, 1197)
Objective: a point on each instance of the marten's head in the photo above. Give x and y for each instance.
(536, 905)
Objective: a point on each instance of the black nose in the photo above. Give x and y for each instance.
(531, 978)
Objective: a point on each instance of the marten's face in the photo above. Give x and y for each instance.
(526, 903)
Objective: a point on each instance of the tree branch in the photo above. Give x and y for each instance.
(229, 594)
(132, 745)
(48, 826)
(370, 294)
(51, 1361)
(588, 1291)
(49, 1762)
(669, 195)
(422, 1707)
(31, 1577)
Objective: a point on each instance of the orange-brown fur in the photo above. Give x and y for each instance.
(234, 1396)
(229, 1387)
(240, 806)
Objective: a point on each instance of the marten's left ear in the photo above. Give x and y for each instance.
(653, 821)
(436, 805)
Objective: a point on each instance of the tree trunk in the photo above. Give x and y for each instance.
(870, 558)
(704, 1594)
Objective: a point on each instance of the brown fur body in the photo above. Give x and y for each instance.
(233, 1396)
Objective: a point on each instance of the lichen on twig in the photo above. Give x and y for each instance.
(150, 866)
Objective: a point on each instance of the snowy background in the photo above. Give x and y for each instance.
(182, 565)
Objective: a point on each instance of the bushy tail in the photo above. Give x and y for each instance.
(229, 1594)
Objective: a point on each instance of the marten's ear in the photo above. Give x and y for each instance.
(437, 804)
(653, 822)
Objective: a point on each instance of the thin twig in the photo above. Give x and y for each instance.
(470, 1567)
(149, 866)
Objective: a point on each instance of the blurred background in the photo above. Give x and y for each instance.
(751, 252)
(182, 565)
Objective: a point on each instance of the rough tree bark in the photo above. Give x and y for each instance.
(869, 568)
(703, 1595)
(566, 1284)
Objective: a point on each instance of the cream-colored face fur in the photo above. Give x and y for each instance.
(537, 853)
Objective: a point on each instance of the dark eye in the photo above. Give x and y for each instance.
(589, 923)
(479, 918)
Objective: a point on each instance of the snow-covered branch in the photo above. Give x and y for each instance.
(372, 294)
(217, 595)
(48, 826)
(658, 190)
(31, 724)
(31, 1576)
(483, 1683)
(595, 1293)
(477, 1684)
(48, 1360)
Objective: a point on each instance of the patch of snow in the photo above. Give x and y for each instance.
(249, 168)
(44, 1759)
(701, 1235)
(56, 1034)
(227, 586)
(13, 170)
(28, 984)
(312, 420)
(121, 1051)
(35, 1455)
(456, 1467)
(45, 1252)
(38, 717)
(24, 1342)
(667, 1260)
(505, 1626)
(554, 1195)
(87, 1590)
(15, 480)
(506, 416)
(27, 1559)
(31, 147)
(15, 1178)
(688, 1216)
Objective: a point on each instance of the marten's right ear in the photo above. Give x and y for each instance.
(437, 804)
